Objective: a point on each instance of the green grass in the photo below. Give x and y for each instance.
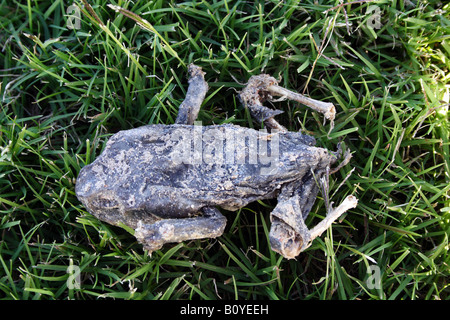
(64, 92)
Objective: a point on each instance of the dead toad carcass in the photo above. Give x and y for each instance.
(166, 181)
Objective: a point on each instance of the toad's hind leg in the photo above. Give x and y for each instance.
(289, 234)
(153, 236)
(262, 87)
(253, 96)
(195, 95)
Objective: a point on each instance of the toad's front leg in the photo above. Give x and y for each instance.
(153, 236)
(189, 108)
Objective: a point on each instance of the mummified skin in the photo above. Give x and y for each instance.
(166, 181)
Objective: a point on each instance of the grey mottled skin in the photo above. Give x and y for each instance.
(143, 181)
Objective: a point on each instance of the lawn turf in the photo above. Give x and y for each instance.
(64, 91)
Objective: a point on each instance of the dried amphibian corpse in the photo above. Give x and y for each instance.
(167, 181)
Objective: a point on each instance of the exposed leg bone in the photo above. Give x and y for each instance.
(349, 203)
(253, 96)
(326, 108)
(262, 87)
(288, 233)
(195, 95)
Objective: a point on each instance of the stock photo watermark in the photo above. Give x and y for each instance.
(226, 145)
(74, 279)
(374, 20)
(374, 277)
(73, 13)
